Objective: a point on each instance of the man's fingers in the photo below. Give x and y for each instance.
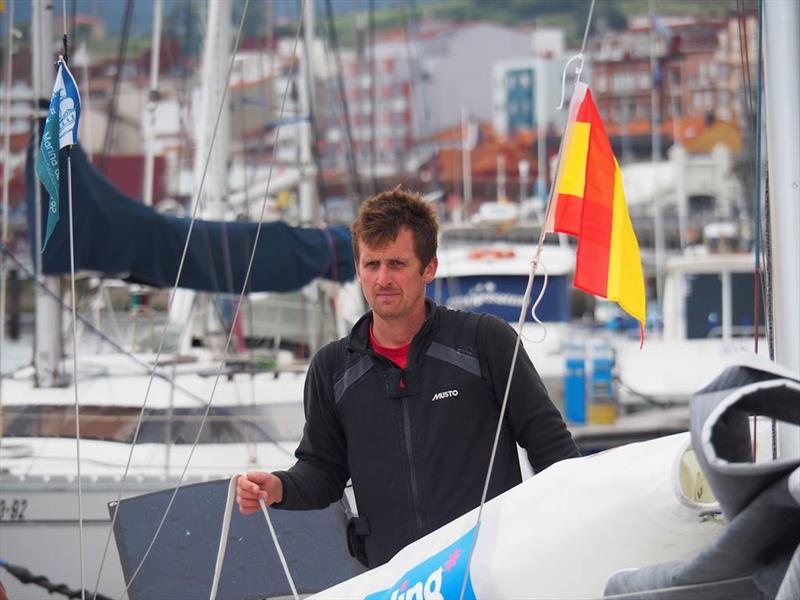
(247, 506)
(248, 510)
(249, 490)
(257, 477)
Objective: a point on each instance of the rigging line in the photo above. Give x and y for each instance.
(411, 33)
(373, 96)
(417, 125)
(757, 200)
(274, 535)
(75, 358)
(112, 107)
(352, 161)
(73, 16)
(64, 39)
(534, 316)
(6, 183)
(93, 328)
(744, 54)
(757, 195)
(758, 259)
(753, 123)
(172, 291)
(313, 123)
(238, 305)
(520, 323)
(588, 25)
(64, 61)
(340, 120)
(744, 62)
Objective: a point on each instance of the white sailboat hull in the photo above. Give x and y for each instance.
(562, 533)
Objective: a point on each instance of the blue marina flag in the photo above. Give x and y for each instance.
(61, 128)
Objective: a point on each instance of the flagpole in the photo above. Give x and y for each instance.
(75, 362)
(63, 61)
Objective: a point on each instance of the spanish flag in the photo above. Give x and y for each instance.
(588, 202)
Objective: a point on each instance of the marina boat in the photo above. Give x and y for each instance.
(708, 311)
(256, 417)
(485, 269)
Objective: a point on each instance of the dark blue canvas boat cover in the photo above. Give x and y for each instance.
(181, 563)
(120, 237)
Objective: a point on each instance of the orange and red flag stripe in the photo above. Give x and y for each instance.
(589, 203)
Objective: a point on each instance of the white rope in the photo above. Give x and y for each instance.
(170, 301)
(525, 301)
(534, 316)
(223, 536)
(238, 305)
(223, 541)
(520, 323)
(278, 548)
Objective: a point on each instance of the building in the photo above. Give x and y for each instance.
(457, 65)
(422, 80)
(376, 118)
(527, 91)
(679, 66)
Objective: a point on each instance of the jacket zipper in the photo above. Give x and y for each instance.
(410, 453)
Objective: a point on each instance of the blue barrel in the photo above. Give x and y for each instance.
(575, 383)
(602, 401)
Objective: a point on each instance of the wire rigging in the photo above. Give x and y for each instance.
(238, 305)
(192, 220)
(352, 161)
(373, 71)
(112, 107)
(63, 61)
(520, 323)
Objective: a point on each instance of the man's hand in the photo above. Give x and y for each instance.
(255, 485)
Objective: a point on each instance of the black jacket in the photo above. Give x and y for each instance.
(418, 455)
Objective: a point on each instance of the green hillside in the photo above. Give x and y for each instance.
(569, 14)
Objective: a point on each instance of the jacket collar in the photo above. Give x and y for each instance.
(358, 340)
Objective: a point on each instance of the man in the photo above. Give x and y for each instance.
(407, 405)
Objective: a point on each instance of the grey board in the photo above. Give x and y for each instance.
(181, 564)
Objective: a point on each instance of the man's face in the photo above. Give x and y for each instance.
(392, 277)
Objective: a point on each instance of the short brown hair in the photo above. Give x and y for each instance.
(380, 218)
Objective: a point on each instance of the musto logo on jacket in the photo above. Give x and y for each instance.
(438, 578)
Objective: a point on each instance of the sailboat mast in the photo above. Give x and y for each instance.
(47, 345)
(152, 100)
(782, 77)
(216, 57)
(308, 187)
